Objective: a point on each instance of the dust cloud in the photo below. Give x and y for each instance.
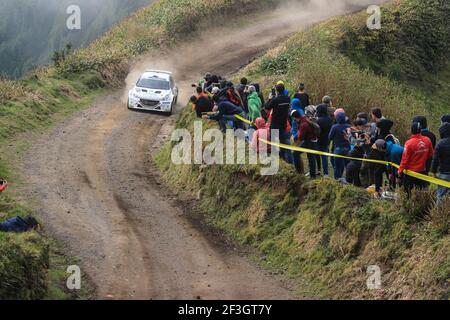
(223, 50)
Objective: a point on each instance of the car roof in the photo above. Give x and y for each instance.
(157, 75)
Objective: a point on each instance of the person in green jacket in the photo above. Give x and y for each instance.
(254, 104)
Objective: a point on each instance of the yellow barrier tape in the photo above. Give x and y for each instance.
(413, 174)
(243, 119)
(410, 173)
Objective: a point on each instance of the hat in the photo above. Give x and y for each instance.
(380, 144)
(363, 115)
(340, 110)
(326, 99)
(251, 89)
(416, 128)
(280, 82)
(215, 90)
(422, 120)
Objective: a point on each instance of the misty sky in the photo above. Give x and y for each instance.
(31, 30)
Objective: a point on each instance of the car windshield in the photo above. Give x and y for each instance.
(157, 84)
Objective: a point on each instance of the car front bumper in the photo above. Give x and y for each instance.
(159, 106)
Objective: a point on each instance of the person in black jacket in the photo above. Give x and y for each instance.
(241, 88)
(203, 104)
(325, 123)
(354, 166)
(279, 106)
(302, 96)
(441, 160)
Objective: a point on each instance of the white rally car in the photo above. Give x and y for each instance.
(154, 91)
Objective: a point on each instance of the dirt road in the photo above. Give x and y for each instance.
(92, 184)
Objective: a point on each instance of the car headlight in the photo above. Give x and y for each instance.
(134, 95)
(168, 97)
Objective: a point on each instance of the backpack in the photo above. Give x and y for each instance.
(315, 126)
(233, 97)
(392, 138)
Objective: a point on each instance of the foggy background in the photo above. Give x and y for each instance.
(31, 30)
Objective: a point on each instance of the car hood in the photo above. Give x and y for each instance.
(151, 94)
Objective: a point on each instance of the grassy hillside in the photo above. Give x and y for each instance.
(322, 234)
(31, 104)
(402, 68)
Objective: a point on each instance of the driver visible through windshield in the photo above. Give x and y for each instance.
(156, 84)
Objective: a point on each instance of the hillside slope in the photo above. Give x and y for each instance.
(325, 235)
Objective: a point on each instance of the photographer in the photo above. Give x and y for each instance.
(226, 112)
(359, 140)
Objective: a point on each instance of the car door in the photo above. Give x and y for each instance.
(173, 87)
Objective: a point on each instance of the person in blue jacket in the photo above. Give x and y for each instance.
(297, 105)
(338, 134)
(19, 224)
(393, 153)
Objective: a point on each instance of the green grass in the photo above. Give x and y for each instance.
(31, 264)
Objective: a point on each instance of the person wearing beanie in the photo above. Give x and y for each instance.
(418, 150)
(328, 103)
(338, 134)
(441, 160)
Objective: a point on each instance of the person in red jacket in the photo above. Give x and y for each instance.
(418, 150)
(304, 136)
(3, 185)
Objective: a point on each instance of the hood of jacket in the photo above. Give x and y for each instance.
(322, 110)
(253, 95)
(444, 130)
(341, 118)
(260, 123)
(296, 104)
